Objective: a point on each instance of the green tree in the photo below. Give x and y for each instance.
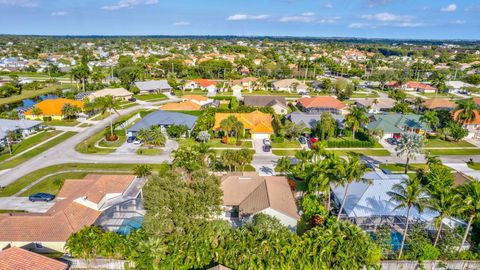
(326, 127)
(445, 202)
(409, 145)
(36, 112)
(431, 119)
(203, 136)
(355, 119)
(70, 111)
(465, 111)
(283, 165)
(155, 136)
(349, 171)
(470, 204)
(81, 74)
(143, 135)
(142, 170)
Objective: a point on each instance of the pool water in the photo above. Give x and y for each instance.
(396, 239)
(130, 225)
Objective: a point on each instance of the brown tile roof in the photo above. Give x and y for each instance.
(262, 101)
(322, 102)
(181, 106)
(437, 103)
(254, 193)
(66, 216)
(419, 85)
(18, 259)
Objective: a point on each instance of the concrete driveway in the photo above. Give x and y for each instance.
(263, 162)
(22, 203)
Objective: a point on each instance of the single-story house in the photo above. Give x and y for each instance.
(290, 85)
(258, 124)
(457, 86)
(203, 84)
(117, 93)
(394, 124)
(439, 104)
(191, 103)
(52, 108)
(278, 103)
(311, 120)
(18, 258)
(247, 83)
(419, 87)
(247, 194)
(79, 203)
(153, 86)
(472, 126)
(320, 104)
(23, 127)
(163, 119)
(375, 105)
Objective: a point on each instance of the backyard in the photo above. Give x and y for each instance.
(151, 97)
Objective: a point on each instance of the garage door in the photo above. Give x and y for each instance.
(261, 136)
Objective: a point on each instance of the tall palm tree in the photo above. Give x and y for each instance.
(143, 135)
(156, 136)
(36, 112)
(431, 119)
(142, 170)
(408, 194)
(470, 204)
(350, 170)
(355, 119)
(69, 111)
(465, 111)
(81, 73)
(409, 145)
(445, 202)
(227, 125)
(304, 157)
(284, 165)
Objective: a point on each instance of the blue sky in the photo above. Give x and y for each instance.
(418, 19)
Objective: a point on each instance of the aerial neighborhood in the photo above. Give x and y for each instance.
(180, 153)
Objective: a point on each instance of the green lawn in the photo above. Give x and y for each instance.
(372, 152)
(442, 143)
(33, 176)
(151, 97)
(53, 183)
(122, 137)
(269, 93)
(30, 154)
(289, 153)
(101, 116)
(149, 151)
(364, 95)
(400, 167)
(65, 123)
(474, 166)
(218, 152)
(28, 143)
(33, 93)
(287, 144)
(436, 95)
(85, 125)
(454, 152)
(216, 143)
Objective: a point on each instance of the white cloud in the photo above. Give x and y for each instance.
(59, 13)
(449, 8)
(358, 25)
(304, 17)
(21, 3)
(245, 17)
(129, 3)
(387, 17)
(330, 20)
(181, 23)
(459, 22)
(409, 24)
(327, 5)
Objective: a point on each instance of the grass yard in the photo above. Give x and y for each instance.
(442, 143)
(28, 143)
(34, 93)
(85, 125)
(30, 154)
(216, 143)
(364, 95)
(287, 144)
(219, 152)
(289, 153)
(102, 116)
(149, 151)
(474, 166)
(454, 152)
(26, 180)
(400, 167)
(64, 123)
(373, 153)
(188, 142)
(53, 183)
(151, 97)
(436, 95)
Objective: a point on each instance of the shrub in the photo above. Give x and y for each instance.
(292, 184)
(232, 140)
(278, 139)
(336, 143)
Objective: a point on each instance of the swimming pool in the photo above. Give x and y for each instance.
(395, 239)
(131, 224)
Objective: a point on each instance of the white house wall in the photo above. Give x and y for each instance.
(286, 220)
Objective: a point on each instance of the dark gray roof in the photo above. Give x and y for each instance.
(13, 125)
(311, 119)
(153, 85)
(263, 101)
(164, 118)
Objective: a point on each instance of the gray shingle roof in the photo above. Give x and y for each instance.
(262, 101)
(164, 118)
(153, 85)
(311, 119)
(7, 125)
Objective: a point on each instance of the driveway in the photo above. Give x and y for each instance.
(22, 203)
(263, 162)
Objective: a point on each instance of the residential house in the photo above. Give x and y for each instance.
(17, 259)
(290, 85)
(116, 93)
(247, 83)
(258, 124)
(311, 120)
(439, 104)
(375, 105)
(154, 86)
(394, 124)
(457, 86)
(22, 127)
(473, 126)
(320, 104)
(203, 84)
(278, 103)
(163, 119)
(191, 103)
(247, 194)
(52, 108)
(419, 87)
(79, 204)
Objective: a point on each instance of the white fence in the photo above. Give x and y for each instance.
(430, 265)
(103, 264)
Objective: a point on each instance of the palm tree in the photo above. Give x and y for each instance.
(419, 103)
(36, 112)
(444, 201)
(81, 74)
(284, 165)
(238, 128)
(408, 194)
(142, 170)
(304, 156)
(432, 159)
(431, 119)
(143, 135)
(350, 170)
(69, 111)
(465, 111)
(470, 204)
(227, 125)
(156, 136)
(355, 119)
(203, 136)
(409, 145)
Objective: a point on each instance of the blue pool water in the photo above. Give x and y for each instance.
(130, 225)
(396, 239)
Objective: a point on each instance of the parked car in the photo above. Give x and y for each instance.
(313, 140)
(392, 141)
(136, 141)
(266, 141)
(132, 99)
(266, 148)
(130, 139)
(302, 140)
(42, 197)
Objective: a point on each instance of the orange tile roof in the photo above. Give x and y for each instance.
(419, 85)
(181, 106)
(195, 97)
(322, 102)
(476, 100)
(435, 103)
(16, 258)
(475, 121)
(53, 107)
(204, 82)
(256, 122)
